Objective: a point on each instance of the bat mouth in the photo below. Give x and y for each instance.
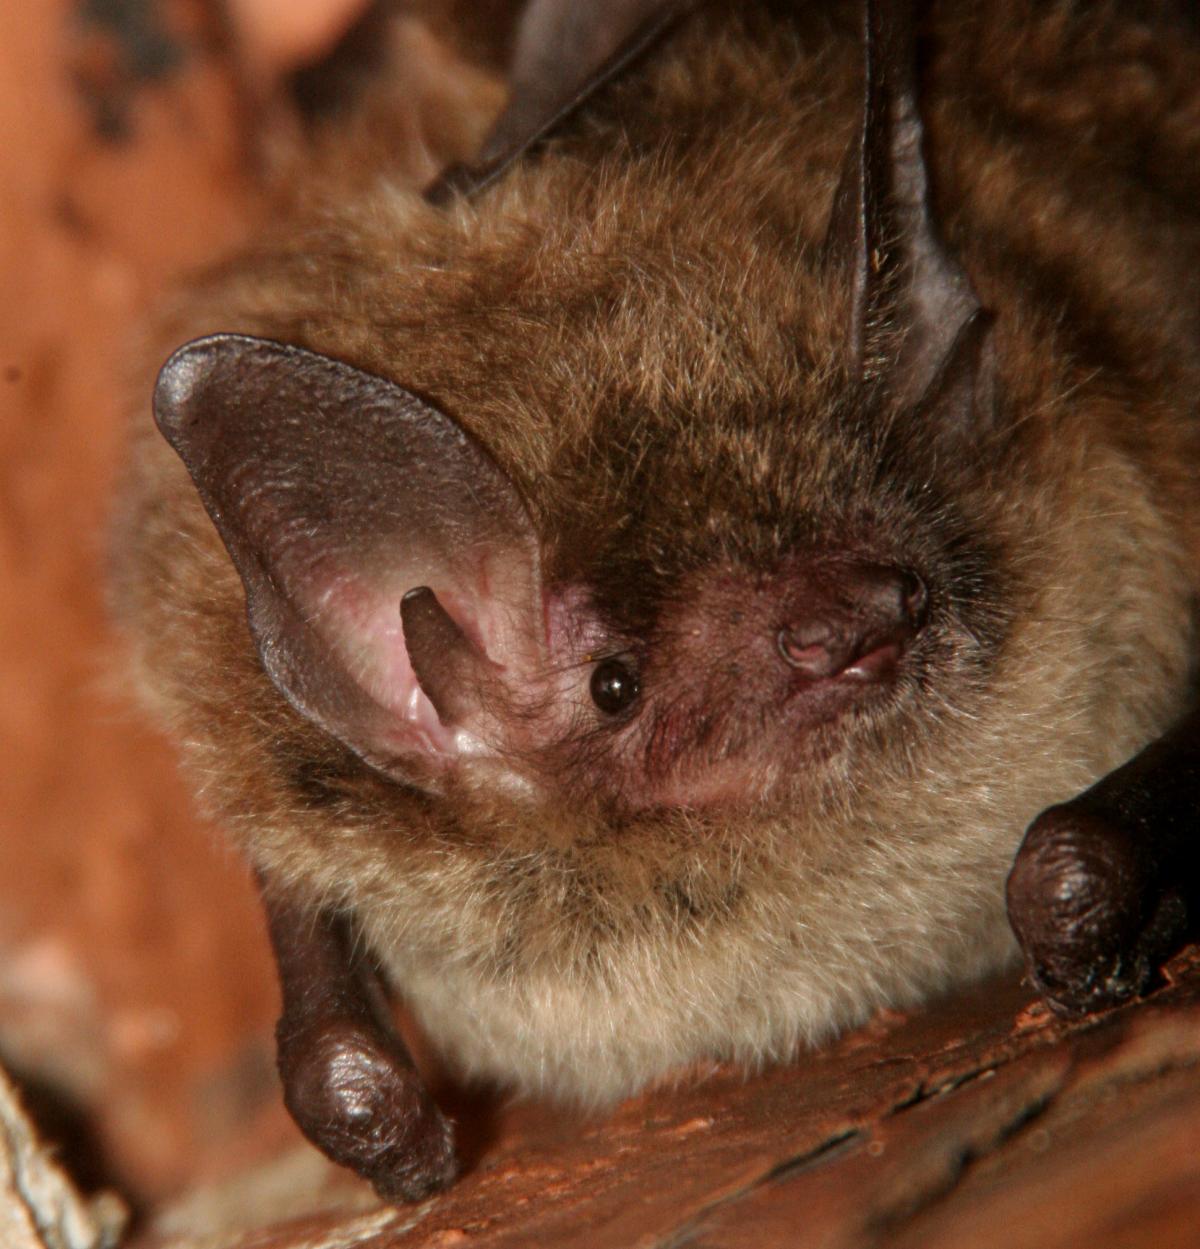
(878, 664)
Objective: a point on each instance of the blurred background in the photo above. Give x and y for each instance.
(136, 994)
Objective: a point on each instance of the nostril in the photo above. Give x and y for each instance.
(811, 648)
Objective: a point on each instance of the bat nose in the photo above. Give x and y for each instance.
(854, 623)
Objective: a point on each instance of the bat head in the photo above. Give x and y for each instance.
(435, 625)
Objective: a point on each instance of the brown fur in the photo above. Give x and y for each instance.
(635, 325)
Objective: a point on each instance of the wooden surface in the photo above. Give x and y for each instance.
(980, 1122)
(136, 995)
(39, 1205)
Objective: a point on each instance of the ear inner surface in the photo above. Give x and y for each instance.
(961, 399)
(336, 492)
(881, 229)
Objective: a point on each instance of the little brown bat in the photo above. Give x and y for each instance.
(632, 598)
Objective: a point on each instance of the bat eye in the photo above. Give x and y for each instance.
(614, 686)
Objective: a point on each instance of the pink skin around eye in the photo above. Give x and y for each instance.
(572, 631)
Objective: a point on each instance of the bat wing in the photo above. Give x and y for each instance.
(565, 51)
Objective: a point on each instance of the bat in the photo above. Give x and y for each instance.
(719, 560)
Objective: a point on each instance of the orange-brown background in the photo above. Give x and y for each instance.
(136, 993)
(136, 996)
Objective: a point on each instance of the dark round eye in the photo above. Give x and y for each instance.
(614, 686)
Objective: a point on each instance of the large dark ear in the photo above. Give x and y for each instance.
(565, 51)
(337, 493)
(913, 321)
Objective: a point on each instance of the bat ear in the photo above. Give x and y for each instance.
(882, 233)
(337, 493)
(565, 51)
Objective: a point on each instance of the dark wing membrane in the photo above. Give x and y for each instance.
(565, 51)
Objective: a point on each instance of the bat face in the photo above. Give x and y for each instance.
(675, 576)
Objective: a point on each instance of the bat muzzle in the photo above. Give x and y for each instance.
(854, 624)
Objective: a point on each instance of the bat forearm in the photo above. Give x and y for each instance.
(348, 1079)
